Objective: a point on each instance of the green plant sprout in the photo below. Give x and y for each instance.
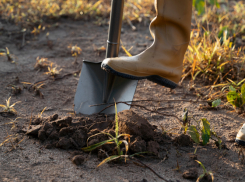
(185, 120)
(9, 108)
(216, 103)
(236, 98)
(112, 140)
(200, 5)
(205, 173)
(5, 52)
(202, 129)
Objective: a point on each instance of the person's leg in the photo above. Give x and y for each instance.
(162, 61)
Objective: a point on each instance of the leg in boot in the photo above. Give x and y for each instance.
(162, 61)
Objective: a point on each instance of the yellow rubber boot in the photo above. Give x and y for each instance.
(162, 62)
(240, 137)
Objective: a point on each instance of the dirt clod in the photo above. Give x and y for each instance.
(54, 135)
(184, 140)
(63, 122)
(64, 143)
(138, 145)
(34, 130)
(36, 121)
(53, 117)
(80, 138)
(49, 131)
(42, 134)
(47, 125)
(191, 173)
(66, 131)
(78, 159)
(133, 124)
(206, 178)
(153, 147)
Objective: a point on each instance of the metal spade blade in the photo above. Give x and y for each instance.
(90, 91)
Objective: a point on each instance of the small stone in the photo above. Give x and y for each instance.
(78, 159)
(191, 173)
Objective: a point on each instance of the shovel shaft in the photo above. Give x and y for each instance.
(113, 43)
(115, 26)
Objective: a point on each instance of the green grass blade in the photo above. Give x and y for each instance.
(241, 82)
(116, 121)
(204, 169)
(92, 147)
(139, 153)
(100, 134)
(200, 177)
(108, 159)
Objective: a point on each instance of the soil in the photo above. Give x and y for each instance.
(51, 149)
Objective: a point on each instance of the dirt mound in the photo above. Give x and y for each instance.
(183, 140)
(73, 133)
(133, 124)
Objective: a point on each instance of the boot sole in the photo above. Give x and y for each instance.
(154, 78)
(240, 142)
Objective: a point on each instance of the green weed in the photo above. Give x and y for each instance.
(201, 133)
(205, 173)
(113, 140)
(236, 98)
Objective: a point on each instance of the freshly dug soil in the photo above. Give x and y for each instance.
(33, 160)
(68, 133)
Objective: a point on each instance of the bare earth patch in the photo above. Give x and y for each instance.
(51, 151)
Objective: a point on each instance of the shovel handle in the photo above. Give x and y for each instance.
(115, 26)
(113, 44)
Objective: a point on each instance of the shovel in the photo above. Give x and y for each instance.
(97, 87)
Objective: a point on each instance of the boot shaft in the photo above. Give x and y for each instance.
(173, 21)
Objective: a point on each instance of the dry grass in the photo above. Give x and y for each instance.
(215, 53)
(32, 12)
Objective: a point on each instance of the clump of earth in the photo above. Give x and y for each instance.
(75, 133)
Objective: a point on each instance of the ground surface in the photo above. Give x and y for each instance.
(32, 162)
